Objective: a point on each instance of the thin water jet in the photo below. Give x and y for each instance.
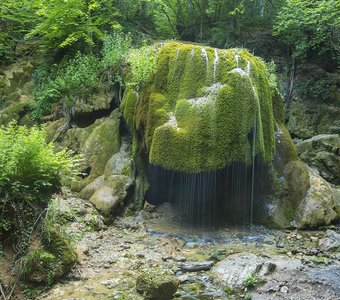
(215, 64)
(235, 195)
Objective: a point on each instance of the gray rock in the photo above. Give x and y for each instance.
(112, 194)
(196, 266)
(234, 270)
(319, 205)
(322, 152)
(129, 223)
(331, 242)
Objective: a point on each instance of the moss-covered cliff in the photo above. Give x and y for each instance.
(204, 109)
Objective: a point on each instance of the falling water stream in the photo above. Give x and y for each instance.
(235, 195)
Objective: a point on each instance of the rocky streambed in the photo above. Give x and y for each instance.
(151, 256)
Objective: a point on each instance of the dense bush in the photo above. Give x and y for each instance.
(115, 49)
(143, 64)
(72, 81)
(30, 172)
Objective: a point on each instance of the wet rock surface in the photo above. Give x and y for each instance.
(322, 152)
(114, 257)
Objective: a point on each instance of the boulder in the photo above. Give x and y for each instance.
(234, 271)
(322, 152)
(157, 285)
(331, 242)
(319, 206)
(202, 108)
(88, 191)
(112, 194)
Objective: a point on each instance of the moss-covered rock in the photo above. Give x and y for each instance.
(102, 143)
(322, 152)
(96, 143)
(112, 195)
(57, 243)
(319, 206)
(41, 267)
(53, 256)
(308, 119)
(157, 285)
(203, 109)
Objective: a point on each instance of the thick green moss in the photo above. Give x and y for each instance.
(41, 266)
(205, 109)
(58, 244)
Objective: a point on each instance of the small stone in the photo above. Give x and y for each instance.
(280, 244)
(284, 290)
(196, 266)
(314, 239)
(180, 259)
(272, 289)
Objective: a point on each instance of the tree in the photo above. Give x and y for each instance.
(310, 28)
(66, 23)
(16, 19)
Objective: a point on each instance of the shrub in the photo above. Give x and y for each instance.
(30, 172)
(143, 64)
(251, 281)
(71, 82)
(115, 49)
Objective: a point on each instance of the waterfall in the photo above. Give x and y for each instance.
(215, 64)
(192, 53)
(229, 196)
(177, 54)
(248, 67)
(237, 58)
(205, 56)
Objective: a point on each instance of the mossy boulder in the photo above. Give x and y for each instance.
(60, 245)
(205, 109)
(41, 267)
(17, 111)
(322, 152)
(157, 285)
(307, 119)
(96, 143)
(319, 206)
(112, 195)
(102, 143)
(110, 192)
(53, 258)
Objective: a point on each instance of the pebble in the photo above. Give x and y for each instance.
(284, 290)
(196, 266)
(280, 244)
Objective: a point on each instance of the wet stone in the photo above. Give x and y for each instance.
(196, 266)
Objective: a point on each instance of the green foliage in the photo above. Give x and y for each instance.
(41, 266)
(143, 64)
(73, 81)
(251, 281)
(78, 22)
(30, 172)
(115, 50)
(58, 243)
(310, 27)
(16, 19)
